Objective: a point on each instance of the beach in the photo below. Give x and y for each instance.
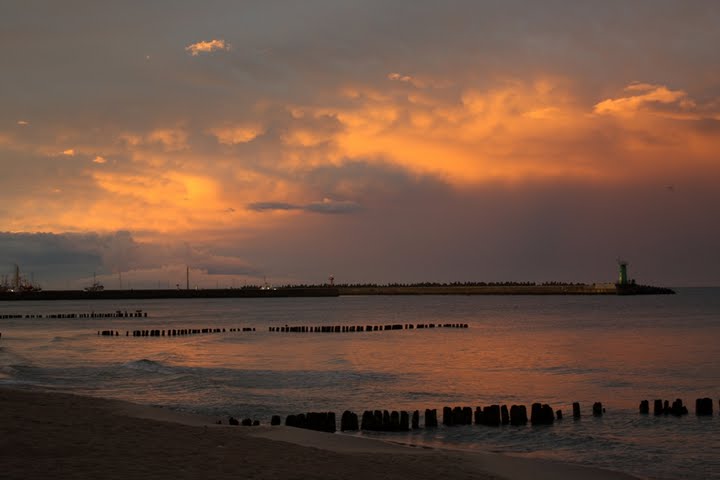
(59, 435)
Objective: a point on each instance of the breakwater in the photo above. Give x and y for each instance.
(149, 294)
(490, 416)
(521, 289)
(343, 290)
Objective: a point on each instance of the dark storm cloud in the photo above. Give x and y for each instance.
(326, 206)
(63, 259)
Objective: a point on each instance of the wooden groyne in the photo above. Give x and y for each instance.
(490, 416)
(362, 328)
(154, 332)
(115, 314)
(703, 407)
(175, 332)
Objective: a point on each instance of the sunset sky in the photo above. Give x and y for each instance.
(376, 141)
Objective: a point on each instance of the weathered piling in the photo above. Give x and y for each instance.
(348, 421)
(368, 420)
(703, 407)
(467, 416)
(457, 416)
(404, 421)
(644, 407)
(233, 421)
(678, 409)
(598, 409)
(541, 414)
(275, 420)
(491, 416)
(416, 419)
(478, 416)
(658, 407)
(431, 418)
(518, 415)
(447, 416)
(385, 421)
(320, 421)
(504, 415)
(394, 421)
(559, 414)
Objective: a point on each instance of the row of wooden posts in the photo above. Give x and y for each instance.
(492, 415)
(703, 407)
(115, 314)
(362, 328)
(175, 332)
(286, 328)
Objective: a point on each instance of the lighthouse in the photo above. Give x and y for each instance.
(623, 280)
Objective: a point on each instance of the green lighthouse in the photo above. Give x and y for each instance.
(623, 272)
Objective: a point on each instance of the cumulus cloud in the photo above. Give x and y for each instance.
(169, 139)
(207, 46)
(70, 152)
(646, 97)
(236, 134)
(23, 123)
(99, 159)
(400, 78)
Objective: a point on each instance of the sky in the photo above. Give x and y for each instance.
(374, 141)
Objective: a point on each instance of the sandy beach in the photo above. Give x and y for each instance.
(59, 435)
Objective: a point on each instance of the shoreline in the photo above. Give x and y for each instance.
(69, 436)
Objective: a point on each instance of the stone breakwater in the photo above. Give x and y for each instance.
(491, 416)
(245, 292)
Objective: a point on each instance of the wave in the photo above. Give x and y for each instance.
(145, 365)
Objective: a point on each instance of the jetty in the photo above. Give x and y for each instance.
(169, 293)
(623, 286)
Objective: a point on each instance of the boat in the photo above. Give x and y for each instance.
(95, 287)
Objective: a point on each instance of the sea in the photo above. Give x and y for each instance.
(617, 350)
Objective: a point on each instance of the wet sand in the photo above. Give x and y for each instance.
(58, 435)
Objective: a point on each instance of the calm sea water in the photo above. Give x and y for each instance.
(555, 350)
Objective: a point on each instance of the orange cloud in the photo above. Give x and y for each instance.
(169, 178)
(232, 135)
(209, 46)
(649, 98)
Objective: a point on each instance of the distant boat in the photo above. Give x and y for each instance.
(19, 284)
(95, 287)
